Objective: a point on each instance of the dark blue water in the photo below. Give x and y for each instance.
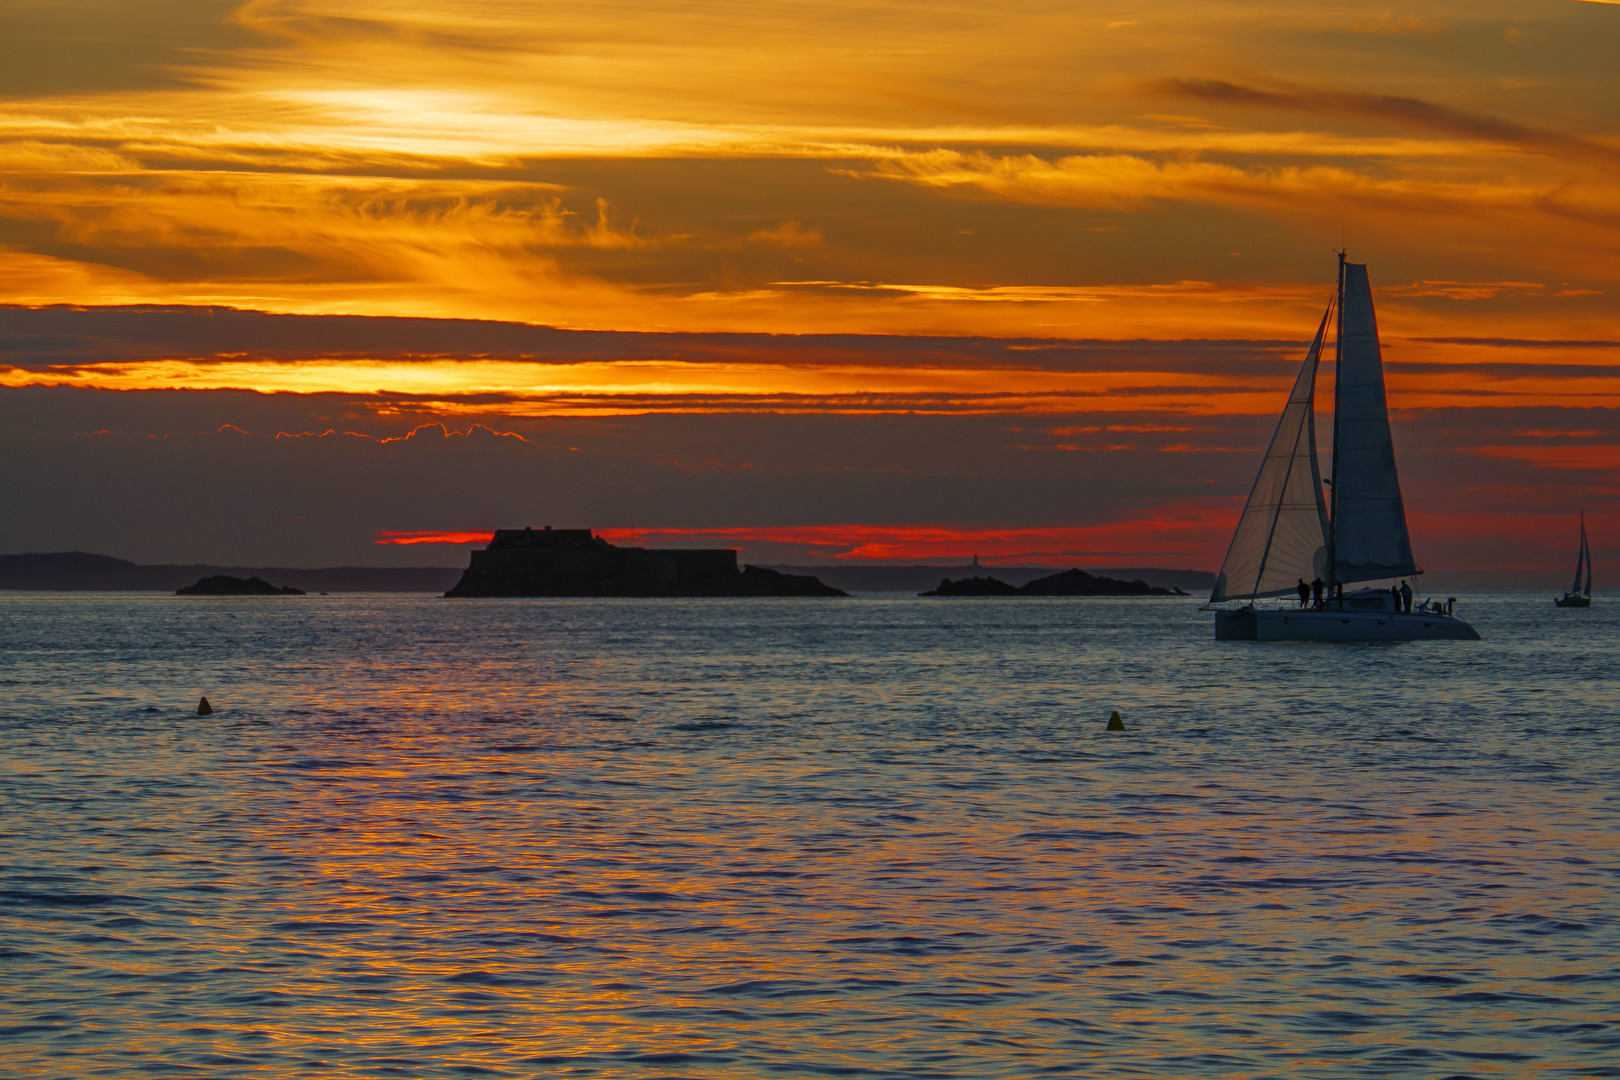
(861, 838)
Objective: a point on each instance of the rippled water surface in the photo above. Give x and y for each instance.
(879, 837)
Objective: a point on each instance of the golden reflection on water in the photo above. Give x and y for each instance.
(794, 846)
(697, 898)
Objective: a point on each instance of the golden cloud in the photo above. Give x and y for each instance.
(495, 159)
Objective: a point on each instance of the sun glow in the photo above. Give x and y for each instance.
(474, 387)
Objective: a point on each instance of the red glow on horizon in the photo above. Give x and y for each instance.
(1184, 531)
(388, 536)
(1192, 534)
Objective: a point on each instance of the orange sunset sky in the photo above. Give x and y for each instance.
(303, 281)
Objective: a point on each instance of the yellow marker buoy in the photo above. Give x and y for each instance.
(203, 708)
(1115, 723)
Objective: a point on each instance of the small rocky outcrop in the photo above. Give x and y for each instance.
(973, 586)
(225, 585)
(1076, 582)
(758, 581)
(1073, 582)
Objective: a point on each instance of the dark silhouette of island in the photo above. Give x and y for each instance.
(225, 585)
(972, 586)
(1072, 582)
(575, 562)
(79, 571)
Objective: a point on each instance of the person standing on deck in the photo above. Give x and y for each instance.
(1406, 597)
(1304, 591)
(1316, 594)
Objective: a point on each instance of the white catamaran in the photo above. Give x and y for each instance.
(1576, 596)
(1290, 538)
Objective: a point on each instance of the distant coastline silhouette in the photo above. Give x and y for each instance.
(75, 571)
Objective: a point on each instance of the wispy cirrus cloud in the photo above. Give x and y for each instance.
(1398, 109)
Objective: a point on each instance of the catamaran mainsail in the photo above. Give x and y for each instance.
(1289, 535)
(1579, 596)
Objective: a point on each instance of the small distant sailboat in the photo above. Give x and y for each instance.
(1579, 595)
(1289, 535)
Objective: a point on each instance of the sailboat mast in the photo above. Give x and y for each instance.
(1338, 386)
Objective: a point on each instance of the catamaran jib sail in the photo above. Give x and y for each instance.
(1282, 536)
(1369, 534)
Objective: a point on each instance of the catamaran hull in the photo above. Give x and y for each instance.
(1282, 625)
(1573, 601)
(1235, 626)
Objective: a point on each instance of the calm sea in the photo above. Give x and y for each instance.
(878, 837)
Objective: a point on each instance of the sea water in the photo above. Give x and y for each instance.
(875, 837)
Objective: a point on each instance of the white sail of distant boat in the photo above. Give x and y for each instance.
(1580, 595)
(1287, 536)
(1580, 564)
(1587, 550)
